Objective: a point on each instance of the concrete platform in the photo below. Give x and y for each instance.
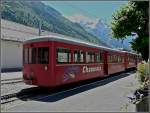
(108, 95)
(11, 75)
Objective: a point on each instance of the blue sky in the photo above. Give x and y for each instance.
(92, 10)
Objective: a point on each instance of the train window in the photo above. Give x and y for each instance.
(63, 55)
(25, 56)
(110, 58)
(98, 59)
(122, 59)
(101, 57)
(78, 56)
(33, 55)
(82, 55)
(115, 58)
(119, 59)
(90, 57)
(30, 55)
(128, 58)
(43, 55)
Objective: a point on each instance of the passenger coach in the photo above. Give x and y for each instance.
(53, 61)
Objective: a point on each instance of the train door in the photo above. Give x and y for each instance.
(36, 64)
(43, 68)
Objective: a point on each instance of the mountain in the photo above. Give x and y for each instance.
(103, 32)
(30, 12)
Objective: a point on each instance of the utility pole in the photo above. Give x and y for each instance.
(40, 27)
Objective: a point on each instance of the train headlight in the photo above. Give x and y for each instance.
(46, 68)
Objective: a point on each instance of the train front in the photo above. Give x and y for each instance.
(36, 68)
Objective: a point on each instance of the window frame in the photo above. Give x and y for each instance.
(68, 55)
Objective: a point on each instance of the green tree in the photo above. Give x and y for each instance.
(133, 18)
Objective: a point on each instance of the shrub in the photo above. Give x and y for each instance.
(143, 73)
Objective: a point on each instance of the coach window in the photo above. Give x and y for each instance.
(128, 58)
(90, 57)
(114, 58)
(101, 57)
(63, 56)
(30, 55)
(82, 54)
(97, 55)
(122, 59)
(76, 56)
(25, 55)
(110, 59)
(118, 58)
(33, 55)
(43, 55)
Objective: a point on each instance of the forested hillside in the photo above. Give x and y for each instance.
(30, 12)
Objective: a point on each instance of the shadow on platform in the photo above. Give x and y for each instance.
(67, 91)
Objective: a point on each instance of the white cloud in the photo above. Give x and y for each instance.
(82, 18)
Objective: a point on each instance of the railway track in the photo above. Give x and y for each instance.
(19, 95)
(43, 92)
(11, 81)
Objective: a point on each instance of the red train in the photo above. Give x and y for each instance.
(51, 61)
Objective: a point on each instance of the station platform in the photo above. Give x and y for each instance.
(11, 75)
(110, 95)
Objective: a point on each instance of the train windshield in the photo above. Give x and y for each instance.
(43, 55)
(36, 55)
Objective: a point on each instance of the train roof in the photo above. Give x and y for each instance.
(70, 40)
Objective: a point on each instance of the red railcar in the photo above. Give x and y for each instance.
(131, 60)
(115, 61)
(53, 61)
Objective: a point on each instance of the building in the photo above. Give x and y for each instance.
(12, 37)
